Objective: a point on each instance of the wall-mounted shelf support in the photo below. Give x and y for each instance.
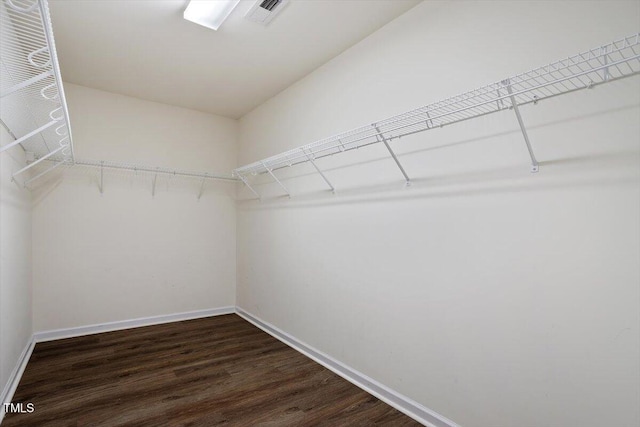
(429, 122)
(514, 104)
(605, 71)
(153, 187)
(395, 158)
(245, 182)
(278, 181)
(311, 160)
(101, 177)
(201, 187)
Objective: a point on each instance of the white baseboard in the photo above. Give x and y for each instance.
(16, 375)
(402, 403)
(57, 334)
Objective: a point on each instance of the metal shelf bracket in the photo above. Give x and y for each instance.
(311, 160)
(153, 187)
(395, 158)
(276, 179)
(101, 177)
(514, 104)
(605, 72)
(201, 187)
(245, 182)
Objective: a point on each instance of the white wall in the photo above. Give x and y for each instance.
(15, 262)
(491, 295)
(124, 254)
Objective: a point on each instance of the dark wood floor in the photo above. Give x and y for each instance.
(205, 372)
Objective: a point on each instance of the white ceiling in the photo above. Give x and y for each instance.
(143, 48)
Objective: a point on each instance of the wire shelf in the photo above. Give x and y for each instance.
(150, 171)
(132, 167)
(603, 64)
(154, 171)
(32, 105)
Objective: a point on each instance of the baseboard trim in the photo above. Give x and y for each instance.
(402, 403)
(14, 379)
(57, 334)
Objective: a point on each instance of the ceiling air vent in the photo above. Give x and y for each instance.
(269, 4)
(263, 11)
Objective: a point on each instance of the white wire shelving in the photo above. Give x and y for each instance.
(33, 107)
(155, 171)
(603, 64)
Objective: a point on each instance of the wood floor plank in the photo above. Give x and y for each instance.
(216, 371)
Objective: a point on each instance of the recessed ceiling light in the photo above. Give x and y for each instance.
(209, 13)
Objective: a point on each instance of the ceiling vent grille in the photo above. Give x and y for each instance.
(270, 4)
(263, 11)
